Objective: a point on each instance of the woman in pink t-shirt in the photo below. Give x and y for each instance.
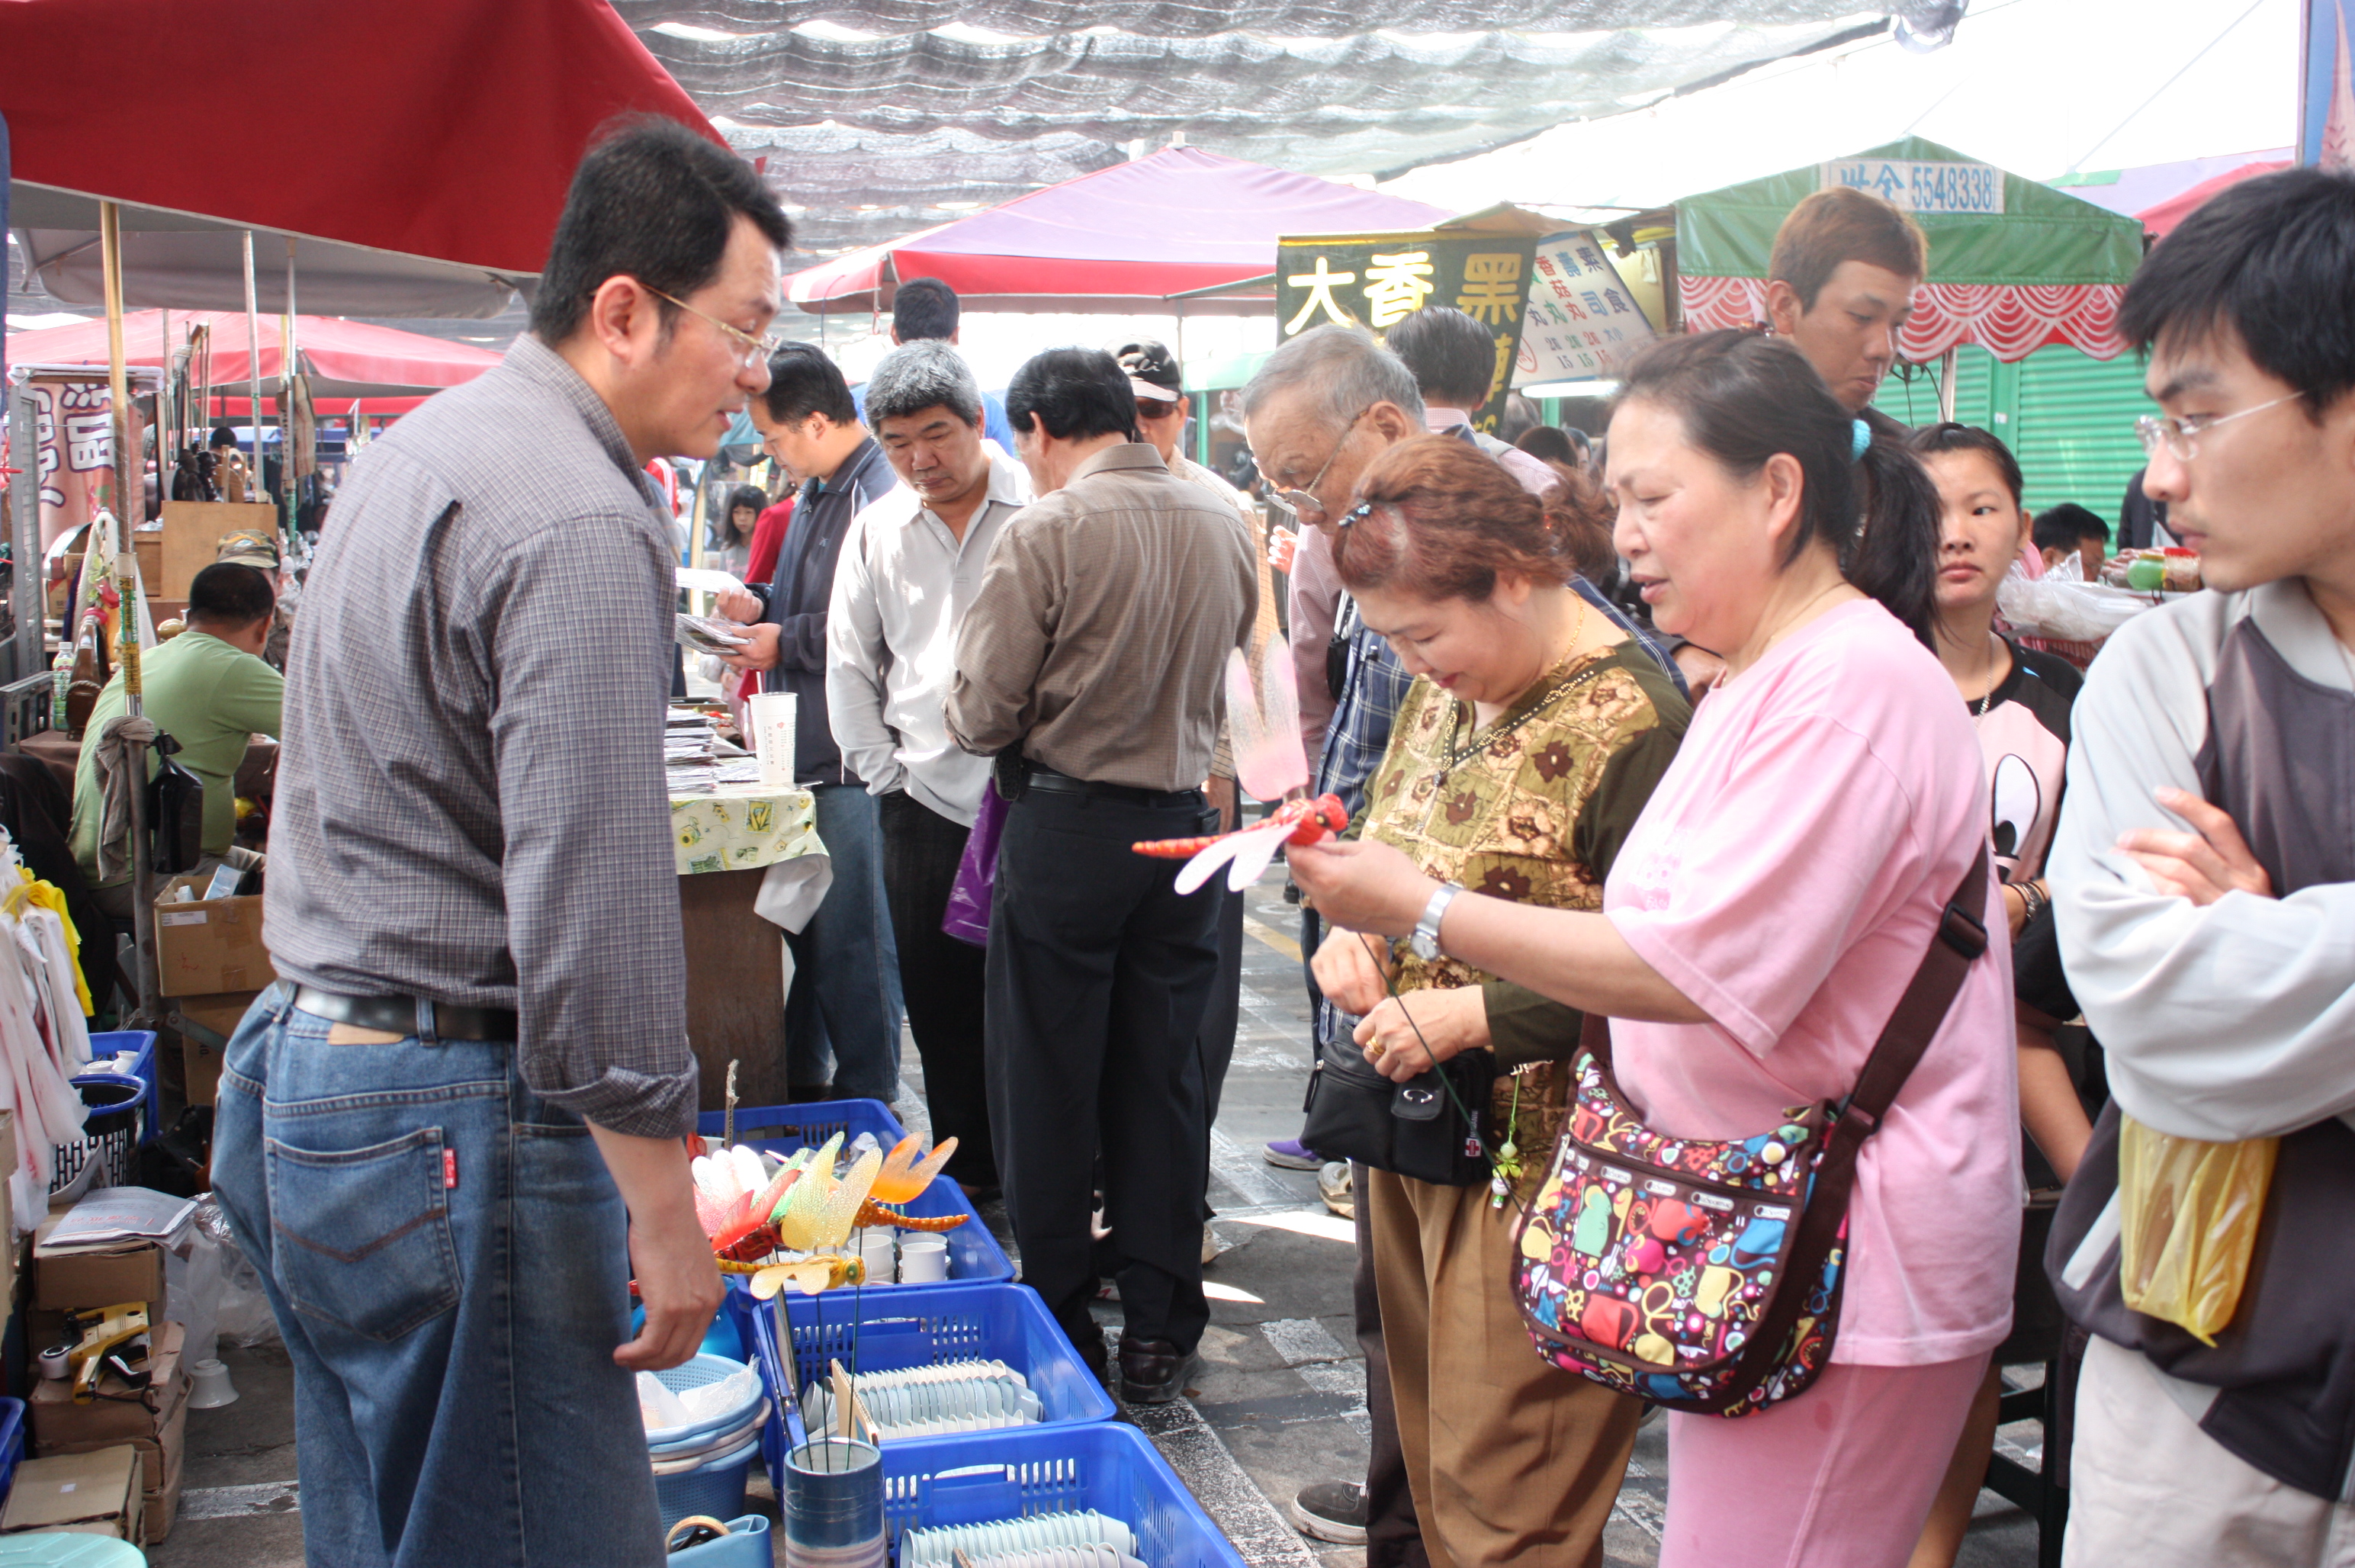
(1768, 910)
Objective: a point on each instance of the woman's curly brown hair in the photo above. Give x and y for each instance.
(1440, 518)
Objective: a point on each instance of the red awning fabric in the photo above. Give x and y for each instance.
(345, 359)
(2159, 220)
(2010, 321)
(1178, 219)
(440, 129)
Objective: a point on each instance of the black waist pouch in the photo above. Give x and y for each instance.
(1413, 1128)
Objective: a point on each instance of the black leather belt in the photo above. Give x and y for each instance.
(398, 1015)
(1053, 783)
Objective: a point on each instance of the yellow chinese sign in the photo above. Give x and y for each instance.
(1377, 281)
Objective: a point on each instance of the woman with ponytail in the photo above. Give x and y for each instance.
(1768, 910)
(1521, 755)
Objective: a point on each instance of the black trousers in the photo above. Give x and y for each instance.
(940, 979)
(1224, 1015)
(1099, 974)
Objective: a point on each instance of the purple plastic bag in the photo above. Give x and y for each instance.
(967, 916)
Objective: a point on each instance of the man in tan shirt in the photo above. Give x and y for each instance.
(1093, 656)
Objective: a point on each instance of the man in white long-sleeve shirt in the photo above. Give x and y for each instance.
(910, 566)
(2204, 885)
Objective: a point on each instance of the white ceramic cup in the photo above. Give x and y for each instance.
(920, 1264)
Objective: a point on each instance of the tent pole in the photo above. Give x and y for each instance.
(253, 357)
(143, 870)
(1946, 385)
(167, 431)
(287, 361)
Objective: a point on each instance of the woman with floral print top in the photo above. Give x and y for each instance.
(1522, 754)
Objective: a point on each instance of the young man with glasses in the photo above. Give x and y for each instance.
(451, 1134)
(2204, 884)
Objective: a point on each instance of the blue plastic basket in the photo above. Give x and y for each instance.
(12, 1442)
(717, 1488)
(114, 1042)
(880, 1331)
(974, 1255)
(101, 1155)
(786, 1129)
(695, 1372)
(1106, 1467)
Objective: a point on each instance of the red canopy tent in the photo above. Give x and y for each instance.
(437, 140)
(2160, 219)
(345, 359)
(1123, 238)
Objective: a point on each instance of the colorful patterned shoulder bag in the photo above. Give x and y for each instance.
(1705, 1275)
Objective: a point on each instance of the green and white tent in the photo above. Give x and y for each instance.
(2014, 266)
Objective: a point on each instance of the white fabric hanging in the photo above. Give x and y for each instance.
(44, 1040)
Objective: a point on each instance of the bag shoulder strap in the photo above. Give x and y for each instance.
(1959, 940)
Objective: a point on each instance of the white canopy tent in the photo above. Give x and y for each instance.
(2042, 87)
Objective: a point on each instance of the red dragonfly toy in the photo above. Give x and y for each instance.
(1270, 764)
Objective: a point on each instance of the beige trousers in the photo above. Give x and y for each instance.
(1511, 1460)
(2148, 1490)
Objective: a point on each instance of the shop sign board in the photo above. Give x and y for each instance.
(1584, 320)
(1921, 186)
(1377, 281)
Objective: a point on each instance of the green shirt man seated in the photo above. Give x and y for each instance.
(209, 690)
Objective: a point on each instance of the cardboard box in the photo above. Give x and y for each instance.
(191, 540)
(149, 1418)
(79, 1494)
(201, 1063)
(206, 947)
(79, 1280)
(162, 1460)
(160, 1506)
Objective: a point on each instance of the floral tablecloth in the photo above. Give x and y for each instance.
(749, 827)
(742, 827)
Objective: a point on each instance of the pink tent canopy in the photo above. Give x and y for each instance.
(346, 360)
(2160, 220)
(1123, 238)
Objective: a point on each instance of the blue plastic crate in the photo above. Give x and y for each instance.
(114, 1042)
(880, 1331)
(784, 1129)
(974, 1255)
(1107, 1466)
(12, 1442)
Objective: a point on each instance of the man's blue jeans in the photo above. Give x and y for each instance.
(846, 993)
(449, 1263)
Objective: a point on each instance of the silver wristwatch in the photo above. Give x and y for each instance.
(1425, 940)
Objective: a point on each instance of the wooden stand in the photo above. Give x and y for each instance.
(735, 989)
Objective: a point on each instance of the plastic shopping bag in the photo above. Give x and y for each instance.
(967, 916)
(2191, 1210)
(2057, 606)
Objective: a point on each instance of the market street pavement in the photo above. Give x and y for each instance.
(1279, 1401)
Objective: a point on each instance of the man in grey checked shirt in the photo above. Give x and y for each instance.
(474, 915)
